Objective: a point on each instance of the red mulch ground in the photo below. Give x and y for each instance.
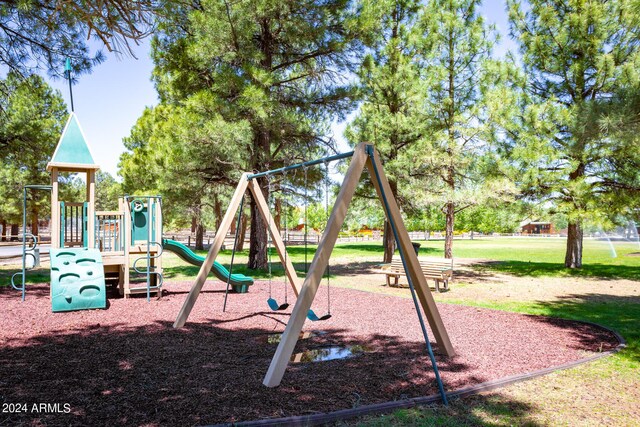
(128, 366)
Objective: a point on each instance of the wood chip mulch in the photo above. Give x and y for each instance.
(127, 366)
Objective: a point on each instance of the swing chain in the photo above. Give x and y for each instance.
(326, 213)
(283, 211)
(270, 201)
(306, 204)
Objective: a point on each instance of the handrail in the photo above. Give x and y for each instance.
(110, 213)
(109, 226)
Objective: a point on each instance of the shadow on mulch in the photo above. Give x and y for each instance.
(201, 374)
(619, 312)
(128, 366)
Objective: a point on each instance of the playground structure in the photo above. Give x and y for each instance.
(109, 238)
(363, 156)
(90, 249)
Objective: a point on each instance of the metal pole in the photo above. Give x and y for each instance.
(67, 69)
(301, 165)
(413, 291)
(24, 234)
(233, 254)
(24, 242)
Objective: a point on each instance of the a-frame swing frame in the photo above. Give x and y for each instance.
(364, 155)
(263, 207)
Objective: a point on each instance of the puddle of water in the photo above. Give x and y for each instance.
(329, 353)
(276, 338)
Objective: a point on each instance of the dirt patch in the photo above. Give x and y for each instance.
(480, 284)
(126, 365)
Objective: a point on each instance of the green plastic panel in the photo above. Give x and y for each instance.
(240, 282)
(140, 223)
(72, 147)
(77, 279)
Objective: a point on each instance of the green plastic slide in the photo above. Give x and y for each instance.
(240, 282)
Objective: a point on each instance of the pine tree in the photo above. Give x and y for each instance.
(276, 66)
(391, 113)
(579, 56)
(29, 130)
(40, 35)
(459, 71)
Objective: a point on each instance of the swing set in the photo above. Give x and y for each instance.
(272, 302)
(363, 156)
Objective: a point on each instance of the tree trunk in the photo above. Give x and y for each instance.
(261, 159)
(450, 207)
(15, 231)
(573, 257)
(34, 221)
(388, 240)
(217, 207)
(257, 237)
(194, 223)
(277, 217)
(3, 223)
(200, 236)
(450, 213)
(243, 232)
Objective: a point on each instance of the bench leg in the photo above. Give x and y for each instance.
(446, 285)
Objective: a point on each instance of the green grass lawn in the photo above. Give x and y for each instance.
(603, 392)
(518, 256)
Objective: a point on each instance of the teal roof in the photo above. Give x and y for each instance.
(72, 148)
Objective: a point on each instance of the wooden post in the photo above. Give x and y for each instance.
(55, 210)
(91, 208)
(413, 265)
(285, 348)
(126, 211)
(213, 252)
(263, 208)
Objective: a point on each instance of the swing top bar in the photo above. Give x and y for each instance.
(38, 187)
(301, 165)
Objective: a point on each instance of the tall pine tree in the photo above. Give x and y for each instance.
(458, 70)
(579, 57)
(277, 66)
(393, 94)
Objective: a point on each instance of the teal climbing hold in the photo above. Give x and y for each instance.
(77, 279)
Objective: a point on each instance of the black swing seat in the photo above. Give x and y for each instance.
(311, 315)
(273, 305)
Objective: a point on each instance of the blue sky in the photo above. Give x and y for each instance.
(110, 99)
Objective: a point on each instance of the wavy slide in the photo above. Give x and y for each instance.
(240, 282)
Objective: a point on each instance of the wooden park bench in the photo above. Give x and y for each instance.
(441, 271)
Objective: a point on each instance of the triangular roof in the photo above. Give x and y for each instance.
(73, 152)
